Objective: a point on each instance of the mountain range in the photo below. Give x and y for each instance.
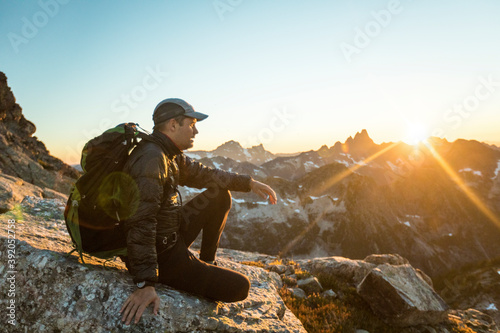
(436, 203)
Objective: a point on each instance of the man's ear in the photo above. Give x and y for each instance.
(171, 125)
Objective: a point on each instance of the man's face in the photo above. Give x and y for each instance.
(183, 136)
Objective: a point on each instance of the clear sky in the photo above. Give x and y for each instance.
(293, 75)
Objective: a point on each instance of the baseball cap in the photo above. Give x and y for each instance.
(173, 107)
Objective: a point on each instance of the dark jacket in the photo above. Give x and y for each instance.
(158, 168)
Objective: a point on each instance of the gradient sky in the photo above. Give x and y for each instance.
(293, 75)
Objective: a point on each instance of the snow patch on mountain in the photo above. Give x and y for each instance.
(361, 162)
(324, 196)
(194, 156)
(324, 205)
(475, 172)
(349, 161)
(310, 165)
(392, 166)
(249, 210)
(497, 171)
(343, 162)
(411, 220)
(492, 306)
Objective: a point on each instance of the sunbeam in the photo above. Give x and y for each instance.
(351, 170)
(299, 237)
(468, 192)
(330, 183)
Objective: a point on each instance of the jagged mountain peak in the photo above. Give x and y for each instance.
(259, 148)
(363, 137)
(434, 140)
(359, 147)
(230, 144)
(361, 141)
(233, 149)
(323, 150)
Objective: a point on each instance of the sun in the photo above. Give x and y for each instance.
(416, 133)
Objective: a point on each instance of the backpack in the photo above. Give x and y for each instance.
(104, 196)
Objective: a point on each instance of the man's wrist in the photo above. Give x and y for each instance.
(144, 284)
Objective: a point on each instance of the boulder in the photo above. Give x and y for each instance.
(351, 271)
(13, 190)
(401, 296)
(280, 269)
(297, 292)
(395, 259)
(329, 294)
(391, 259)
(310, 285)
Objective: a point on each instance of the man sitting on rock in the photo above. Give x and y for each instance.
(162, 229)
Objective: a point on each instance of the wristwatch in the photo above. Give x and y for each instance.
(143, 284)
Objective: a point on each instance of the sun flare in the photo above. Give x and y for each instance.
(416, 133)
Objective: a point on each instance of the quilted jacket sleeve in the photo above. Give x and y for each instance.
(148, 171)
(195, 174)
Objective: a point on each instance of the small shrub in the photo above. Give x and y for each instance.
(276, 262)
(289, 281)
(254, 263)
(301, 274)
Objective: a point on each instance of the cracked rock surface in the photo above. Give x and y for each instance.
(56, 293)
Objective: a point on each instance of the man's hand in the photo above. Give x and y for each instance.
(264, 191)
(138, 302)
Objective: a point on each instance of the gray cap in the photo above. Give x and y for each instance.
(173, 107)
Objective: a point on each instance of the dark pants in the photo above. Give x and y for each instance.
(180, 269)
